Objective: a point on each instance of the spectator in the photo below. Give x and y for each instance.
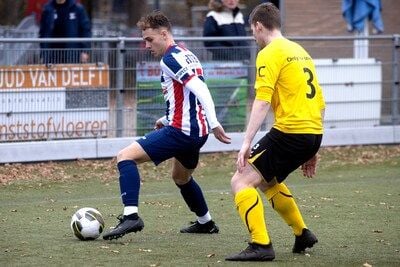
(64, 19)
(225, 19)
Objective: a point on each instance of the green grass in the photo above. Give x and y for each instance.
(352, 205)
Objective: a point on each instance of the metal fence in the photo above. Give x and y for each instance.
(50, 95)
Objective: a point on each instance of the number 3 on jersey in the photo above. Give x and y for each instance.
(309, 83)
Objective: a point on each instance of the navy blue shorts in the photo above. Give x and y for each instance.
(169, 142)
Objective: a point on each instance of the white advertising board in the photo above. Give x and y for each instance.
(57, 102)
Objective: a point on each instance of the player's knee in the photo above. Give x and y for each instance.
(120, 156)
(264, 185)
(124, 154)
(181, 179)
(237, 183)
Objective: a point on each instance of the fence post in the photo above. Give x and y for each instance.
(120, 86)
(396, 82)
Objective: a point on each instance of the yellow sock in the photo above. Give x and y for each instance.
(283, 202)
(251, 211)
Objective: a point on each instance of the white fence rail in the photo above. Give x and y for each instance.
(64, 109)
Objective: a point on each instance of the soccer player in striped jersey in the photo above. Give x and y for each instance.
(190, 116)
(286, 81)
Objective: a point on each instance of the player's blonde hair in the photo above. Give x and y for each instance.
(154, 20)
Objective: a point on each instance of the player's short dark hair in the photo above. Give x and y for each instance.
(267, 14)
(154, 20)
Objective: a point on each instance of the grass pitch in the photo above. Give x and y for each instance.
(352, 205)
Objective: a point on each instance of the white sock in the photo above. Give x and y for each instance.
(128, 210)
(205, 218)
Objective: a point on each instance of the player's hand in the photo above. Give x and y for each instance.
(158, 125)
(220, 134)
(243, 155)
(309, 168)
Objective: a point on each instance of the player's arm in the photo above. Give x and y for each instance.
(200, 90)
(172, 67)
(259, 111)
(161, 122)
(180, 70)
(309, 168)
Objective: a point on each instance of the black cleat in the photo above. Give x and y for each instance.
(127, 224)
(254, 252)
(306, 240)
(197, 228)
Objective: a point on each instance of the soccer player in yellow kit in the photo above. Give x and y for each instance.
(286, 80)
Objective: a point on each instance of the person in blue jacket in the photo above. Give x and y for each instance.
(225, 19)
(64, 19)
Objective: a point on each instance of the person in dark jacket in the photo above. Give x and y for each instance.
(225, 19)
(64, 19)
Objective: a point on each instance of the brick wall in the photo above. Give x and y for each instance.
(324, 17)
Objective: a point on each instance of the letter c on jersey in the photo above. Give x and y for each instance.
(260, 72)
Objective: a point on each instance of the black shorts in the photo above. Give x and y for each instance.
(278, 154)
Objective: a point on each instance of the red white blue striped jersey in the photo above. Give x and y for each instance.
(184, 111)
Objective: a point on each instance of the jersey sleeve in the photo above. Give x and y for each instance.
(267, 74)
(177, 68)
(200, 90)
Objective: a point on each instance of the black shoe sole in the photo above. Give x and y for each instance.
(209, 229)
(254, 252)
(251, 259)
(116, 236)
(310, 244)
(214, 231)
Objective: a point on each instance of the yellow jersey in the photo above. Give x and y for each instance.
(286, 78)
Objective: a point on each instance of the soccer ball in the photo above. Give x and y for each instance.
(87, 224)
